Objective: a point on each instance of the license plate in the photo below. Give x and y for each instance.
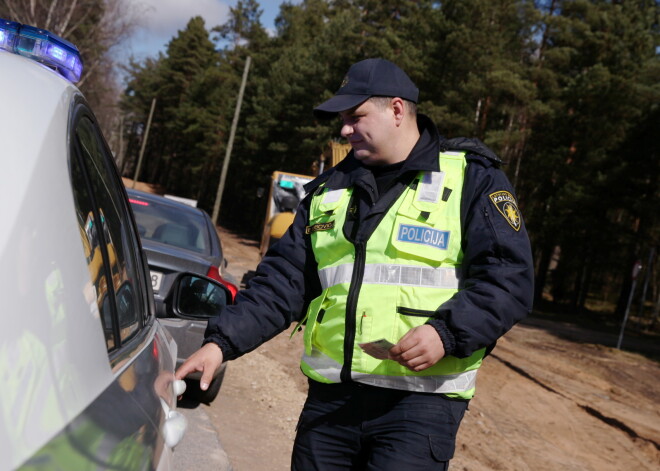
(156, 278)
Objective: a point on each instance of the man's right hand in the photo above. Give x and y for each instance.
(207, 359)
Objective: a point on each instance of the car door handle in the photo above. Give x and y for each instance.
(179, 387)
(174, 426)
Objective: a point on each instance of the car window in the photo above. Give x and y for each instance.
(110, 244)
(170, 225)
(96, 292)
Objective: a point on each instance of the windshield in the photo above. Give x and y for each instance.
(171, 226)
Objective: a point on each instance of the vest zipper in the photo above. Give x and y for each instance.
(358, 273)
(351, 309)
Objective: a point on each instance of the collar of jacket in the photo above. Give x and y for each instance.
(423, 157)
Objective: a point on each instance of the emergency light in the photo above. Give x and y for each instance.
(8, 32)
(42, 46)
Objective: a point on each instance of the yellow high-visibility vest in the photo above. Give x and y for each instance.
(405, 271)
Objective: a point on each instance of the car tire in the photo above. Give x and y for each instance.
(194, 392)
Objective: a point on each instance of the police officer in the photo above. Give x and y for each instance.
(405, 263)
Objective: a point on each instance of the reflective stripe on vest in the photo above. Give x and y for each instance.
(384, 274)
(437, 384)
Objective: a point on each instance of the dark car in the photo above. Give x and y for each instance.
(177, 238)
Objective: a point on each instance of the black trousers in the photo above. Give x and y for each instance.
(350, 426)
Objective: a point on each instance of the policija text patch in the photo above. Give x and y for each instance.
(507, 206)
(325, 226)
(423, 235)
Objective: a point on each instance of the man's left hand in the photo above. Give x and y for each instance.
(419, 349)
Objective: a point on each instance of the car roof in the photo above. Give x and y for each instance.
(30, 86)
(215, 245)
(163, 200)
(30, 93)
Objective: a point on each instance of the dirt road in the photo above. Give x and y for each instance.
(546, 400)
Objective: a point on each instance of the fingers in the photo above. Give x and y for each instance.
(418, 349)
(205, 381)
(407, 342)
(402, 346)
(188, 367)
(206, 360)
(212, 359)
(414, 358)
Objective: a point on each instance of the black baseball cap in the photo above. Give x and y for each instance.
(367, 78)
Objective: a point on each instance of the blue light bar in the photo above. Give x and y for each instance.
(8, 33)
(42, 46)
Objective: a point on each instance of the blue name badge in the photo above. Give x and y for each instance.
(423, 235)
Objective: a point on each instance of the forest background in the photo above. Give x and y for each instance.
(566, 92)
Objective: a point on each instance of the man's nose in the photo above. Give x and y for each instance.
(346, 130)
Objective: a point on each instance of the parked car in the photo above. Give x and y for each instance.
(180, 238)
(87, 369)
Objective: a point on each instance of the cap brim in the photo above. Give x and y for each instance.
(337, 103)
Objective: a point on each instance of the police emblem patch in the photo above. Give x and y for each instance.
(325, 226)
(507, 206)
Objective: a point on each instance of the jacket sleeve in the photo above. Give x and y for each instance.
(286, 280)
(497, 276)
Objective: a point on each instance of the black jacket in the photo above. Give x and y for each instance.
(497, 274)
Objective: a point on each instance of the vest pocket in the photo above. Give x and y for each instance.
(423, 241)
(407, 311)
(311, 320)
(409, 318)
(364, 334)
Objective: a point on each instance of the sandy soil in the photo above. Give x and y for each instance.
(550, 397)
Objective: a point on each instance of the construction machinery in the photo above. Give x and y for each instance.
(286, 192)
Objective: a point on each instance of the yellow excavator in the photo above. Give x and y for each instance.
(286, 191)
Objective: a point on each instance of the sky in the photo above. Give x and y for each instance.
(163, 18)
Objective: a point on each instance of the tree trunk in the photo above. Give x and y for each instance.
(542, 272)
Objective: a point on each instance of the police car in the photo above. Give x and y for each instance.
(87, 371)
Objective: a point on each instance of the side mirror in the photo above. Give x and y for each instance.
(200, 297)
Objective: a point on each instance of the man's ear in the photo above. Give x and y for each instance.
(399, 110)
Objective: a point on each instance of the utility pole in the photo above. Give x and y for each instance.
(230, 144)
(637, 267)
(120, 154)
(144, 142)
(642, 300)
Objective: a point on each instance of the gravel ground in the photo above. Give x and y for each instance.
(550, 397)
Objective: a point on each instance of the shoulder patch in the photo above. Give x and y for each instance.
(507, 207)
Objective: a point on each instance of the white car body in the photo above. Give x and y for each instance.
(71, 398)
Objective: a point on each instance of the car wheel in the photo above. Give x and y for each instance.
(194, 392)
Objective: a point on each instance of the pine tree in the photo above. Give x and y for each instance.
(190, 116)
(592, 56)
